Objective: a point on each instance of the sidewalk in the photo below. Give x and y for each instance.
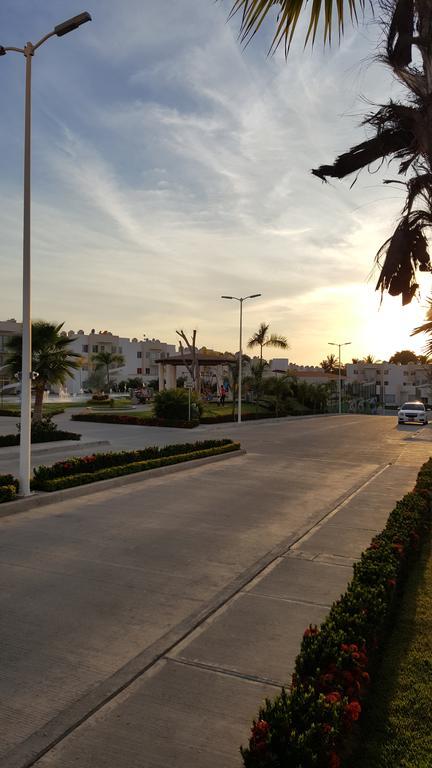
(193, 707)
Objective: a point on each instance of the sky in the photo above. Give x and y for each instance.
(171, 165)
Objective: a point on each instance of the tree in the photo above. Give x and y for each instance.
(403, 357)
(279, 388)
(192, 365)
(401, 130)
(427, 329)
(52, 361)
(262, 339)
(255, 379)
(330, 364)
(107, 361)
(370, 359)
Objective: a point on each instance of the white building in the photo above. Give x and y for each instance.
(140, 356)
(8, 328)
(390, 383)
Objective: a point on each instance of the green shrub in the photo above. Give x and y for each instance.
(101, 400)
(174, 404)
(9, 480)
(43, 431)
(310, 725)
(44, 481)
(7, 493)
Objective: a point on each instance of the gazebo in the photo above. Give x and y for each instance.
(168, 365)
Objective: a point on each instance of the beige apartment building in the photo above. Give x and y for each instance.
(390, 383)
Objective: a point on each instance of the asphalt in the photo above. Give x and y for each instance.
(143, 626)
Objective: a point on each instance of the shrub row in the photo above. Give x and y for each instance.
(308, 726)
(248, 417)
(17, 413)
(8, 488)
(97, 461)
(82, 478)
(117, 418)
(7, 440)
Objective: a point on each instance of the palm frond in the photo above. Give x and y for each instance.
(400, 35)
(402, 254)
(254, 13)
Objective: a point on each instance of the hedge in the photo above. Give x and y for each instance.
(7, 440)
(8, 488)
(309, 725)
(249, 417)
(42, 481)
(17, 413)
(117, 418)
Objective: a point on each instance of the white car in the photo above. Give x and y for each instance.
(414, 411)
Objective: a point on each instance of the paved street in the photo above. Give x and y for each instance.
(170, 608)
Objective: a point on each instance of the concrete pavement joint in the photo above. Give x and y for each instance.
(37, 745)
(223, 671)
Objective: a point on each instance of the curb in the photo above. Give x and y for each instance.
(44, 498)
(55, 447)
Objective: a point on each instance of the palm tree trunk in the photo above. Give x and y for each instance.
(108, 379)
(39, 393)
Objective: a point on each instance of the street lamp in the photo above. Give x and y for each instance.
(241, 300)
(26, 375)
(344, 344)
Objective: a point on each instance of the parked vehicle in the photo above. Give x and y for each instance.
(414, 411)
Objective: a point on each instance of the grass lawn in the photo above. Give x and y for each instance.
(397, 728)
(213, 409)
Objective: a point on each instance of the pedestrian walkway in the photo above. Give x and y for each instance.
(193, 706)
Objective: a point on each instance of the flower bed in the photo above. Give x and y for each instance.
(8, 488)
(308, 726)
(117, 418)
(102, 466)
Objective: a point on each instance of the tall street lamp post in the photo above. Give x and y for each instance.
(344, 344)
(26, 375)
(241, 300)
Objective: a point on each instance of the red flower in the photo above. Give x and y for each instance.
(260, 730)
(333, 698)
(345, 648)
(311, 631)
(326, 727)
(327, 679)
(353, 648)
(334, 760)
(366, 677)
(352, 711)
(399, 549)
(391, 583)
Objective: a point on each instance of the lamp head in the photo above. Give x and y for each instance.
(227, 297)
(2, 51)
(71, 24)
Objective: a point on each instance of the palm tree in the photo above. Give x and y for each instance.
(107, 361)
(370, 359)
(52, 361)
(330, 364)
(262, 339)
(401, 129)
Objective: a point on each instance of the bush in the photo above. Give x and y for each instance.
(7, 493)
(309, 726)
(43, 431)
(99, 398)
(79, 471)
(8, 488)
(117, 418)
(174, 404)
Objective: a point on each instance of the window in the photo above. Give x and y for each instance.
(147, 371)
(102, 348)
(114, 349)
(139, 354)
(121, 350)
(355, 371)
(85, 347)
(386, 383)
(95, 348)
(139, 370)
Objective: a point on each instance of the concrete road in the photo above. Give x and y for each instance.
(96, 590)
